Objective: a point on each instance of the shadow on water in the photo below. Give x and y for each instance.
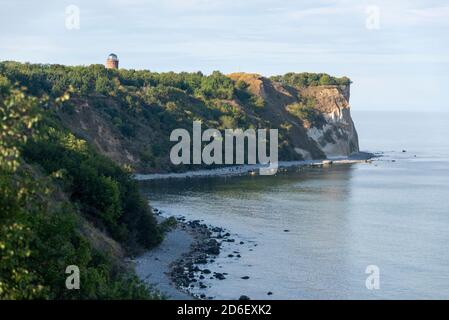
(295, 179)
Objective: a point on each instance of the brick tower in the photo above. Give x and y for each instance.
(112, 61)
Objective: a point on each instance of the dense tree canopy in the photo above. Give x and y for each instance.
(306, 79)
(42, 168)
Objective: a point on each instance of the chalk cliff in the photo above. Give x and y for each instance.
(128, 115)
(314, 122)
(337, 136)
(318, 117)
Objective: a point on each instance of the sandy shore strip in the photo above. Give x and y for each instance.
(173, 268)
(154, 266)
(249, 169)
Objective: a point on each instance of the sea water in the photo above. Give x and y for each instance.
(312, 233)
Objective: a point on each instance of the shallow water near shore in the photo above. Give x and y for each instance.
(311, 233)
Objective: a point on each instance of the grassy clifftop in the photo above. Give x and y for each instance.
(128, 115)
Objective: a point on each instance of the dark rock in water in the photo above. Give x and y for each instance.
(361, 156)
(207, 271)
(270, 293)
(178, 270)
(227, 234)
(230, 256)
(202, 277)
(230, 240)
(404, 151)
(213, 247)
(241, 242)
(202, 285)
(244, 298)
(201, 260)
(220, 276)
(203, 296)
(238, 256)
(286, 230)
(245, 278)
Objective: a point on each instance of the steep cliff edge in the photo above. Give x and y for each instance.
(320, 115)
(128, 115)
(337, 136)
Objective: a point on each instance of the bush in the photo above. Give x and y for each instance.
(39, 229)
(106, 193)
(306, 79)
(306, 112)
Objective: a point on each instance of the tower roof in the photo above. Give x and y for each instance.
(113, 57)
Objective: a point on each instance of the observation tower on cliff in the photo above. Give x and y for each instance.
(112, 61)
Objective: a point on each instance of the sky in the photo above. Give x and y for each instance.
(396, 52)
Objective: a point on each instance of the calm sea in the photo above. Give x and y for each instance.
(311, 234)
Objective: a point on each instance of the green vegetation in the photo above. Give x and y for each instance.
(305, 110)
(96, 79)
(63, 203)
(306, 79)
(132, 100)
(51, 185)
(168, 224)
(142, 106)
(104, 191)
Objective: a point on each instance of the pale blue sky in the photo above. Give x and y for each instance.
(403, 65)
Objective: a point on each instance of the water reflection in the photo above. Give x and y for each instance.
(311, 204)
(340, 220)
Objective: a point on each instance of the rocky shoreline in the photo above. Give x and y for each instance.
(189, 272)
(360, 157)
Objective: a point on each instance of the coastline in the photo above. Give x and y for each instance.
(176, 267)
(153, 267)
(359, 157)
